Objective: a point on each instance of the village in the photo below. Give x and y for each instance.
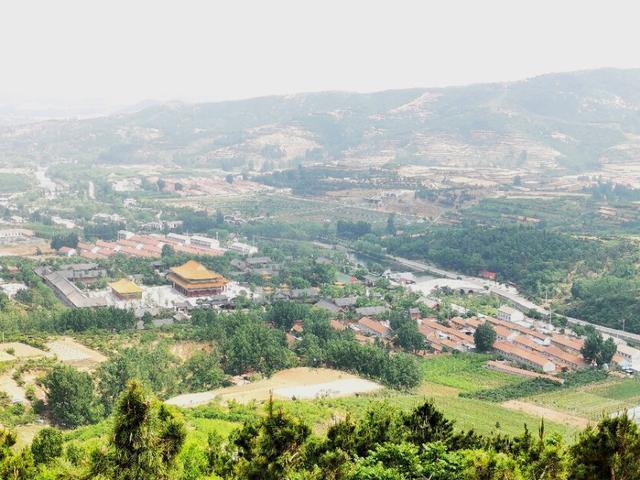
(524, 345)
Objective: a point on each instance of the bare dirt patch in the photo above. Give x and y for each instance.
(26, 433)
(69, 351)
(185, 349)
(33, 247)
(547, 413)
(298, 382)
(8, 385)
(22, 350)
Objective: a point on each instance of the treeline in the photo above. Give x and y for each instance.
(613, 192)
(148, 440)
(102, 231)
(610, 300)
(247, 342)
(530, 257)
(60, 240)
(76, 398)
(83, 319)
(352, 230)
(240, 342)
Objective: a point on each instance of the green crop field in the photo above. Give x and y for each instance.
(466, 372)
(593, 401)
(445, 377)
(483, 417)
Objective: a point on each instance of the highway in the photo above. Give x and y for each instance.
(507, 293)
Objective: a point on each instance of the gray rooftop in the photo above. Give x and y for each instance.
(72, 294)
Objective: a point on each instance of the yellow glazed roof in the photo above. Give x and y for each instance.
(193, 270)
(123, 286)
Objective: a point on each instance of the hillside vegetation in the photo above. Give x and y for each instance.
(574, 120)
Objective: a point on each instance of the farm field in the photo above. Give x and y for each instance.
(595, 400)
(287, 209)
(445, 378)
(465, 372)
(481, 416)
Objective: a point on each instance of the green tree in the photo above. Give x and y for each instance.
(255, 345)
(610, 451)
(596, 349)
(147, 437)
(47, 445)
(270, 448)
(202, 371)
(64, 240)
(219, 218)
(167, 251)
(607, 351)
(284, 314)
(426, 424)
(153, 366)
(70, 396)
(391, 224)
(484, 337)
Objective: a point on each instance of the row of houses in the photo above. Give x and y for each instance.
(366, 330)
(544, 351)
(146, 246)
(513, 341)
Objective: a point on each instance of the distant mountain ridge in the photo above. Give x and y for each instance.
(575, 120)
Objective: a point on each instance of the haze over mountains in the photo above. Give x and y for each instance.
(572, 121)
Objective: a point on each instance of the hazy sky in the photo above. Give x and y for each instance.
(125, 51)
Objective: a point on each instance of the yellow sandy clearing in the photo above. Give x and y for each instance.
(320, 381)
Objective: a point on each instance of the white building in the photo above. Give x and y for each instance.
(630, 357)
(509, 314)
(130, 202)
(184, 239)
(173, 224)
(108, 217)
(243, 248)
(205, 242)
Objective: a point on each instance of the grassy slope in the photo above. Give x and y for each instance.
(445, 377)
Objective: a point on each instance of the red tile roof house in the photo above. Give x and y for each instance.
(520, 355)
(568, 344)
(373, 328)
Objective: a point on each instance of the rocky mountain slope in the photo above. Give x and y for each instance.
(571, 120)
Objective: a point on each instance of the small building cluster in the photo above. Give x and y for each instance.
(62, 284)
(149, 246)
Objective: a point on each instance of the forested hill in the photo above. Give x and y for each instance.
(575, 120)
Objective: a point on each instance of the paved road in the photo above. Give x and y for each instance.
(508, 293)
